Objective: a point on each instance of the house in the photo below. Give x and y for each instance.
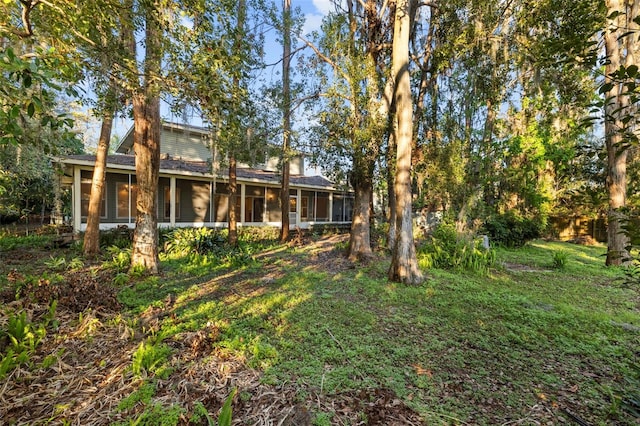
(193, 192)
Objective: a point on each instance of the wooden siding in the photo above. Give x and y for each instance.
(296, 165)
(187, 146)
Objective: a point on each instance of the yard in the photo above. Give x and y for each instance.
(306, 337)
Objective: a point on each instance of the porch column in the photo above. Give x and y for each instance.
(77, 200)
(172, 201)
(265, 213)
(243, 191)
(330, 206)
(299, 204)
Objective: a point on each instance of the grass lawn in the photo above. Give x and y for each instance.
(309, 338)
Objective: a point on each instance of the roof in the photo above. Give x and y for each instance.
(199, 168)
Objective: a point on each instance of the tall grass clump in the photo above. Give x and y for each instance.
(447, 249)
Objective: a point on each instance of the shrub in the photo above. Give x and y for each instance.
(120, 257)
(120, 237)
(193, 240)
(512, 230)
(258, 233)
(449, 250)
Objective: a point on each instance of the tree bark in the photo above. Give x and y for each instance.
(146, 144)
(404, 263)
(286, 119)
(616, 104)
(392, 234)
(91, 244)
(360, 238)
(233, 195)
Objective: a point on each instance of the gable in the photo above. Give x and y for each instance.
(191, 143)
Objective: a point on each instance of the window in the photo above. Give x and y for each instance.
(126, 196)
(322, 206)
(307, 205)
(254, 209)
(85, 193)
(167, 202)
(274, 211)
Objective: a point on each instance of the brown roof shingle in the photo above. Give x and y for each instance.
(203, 168)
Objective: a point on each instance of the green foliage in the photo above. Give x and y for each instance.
(629, 394)
(511, 229)
(75, 264)
(205, 247)
(193, 240)
(28, 91)
(448, 250)
(156, 415)
(11, 242)
(31, 128)
(143, 394)
(150, 358)
(257, 234)
(120, 258)
(23, 337)
(120, 238)
(121, 279)
(322, 419)
(224, 419)
(58, 263)
(199, 413)
(559, 260)
(631, 229)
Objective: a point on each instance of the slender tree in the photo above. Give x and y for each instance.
(404, 264)
(621, 51)
(91, 243)
(286, 118)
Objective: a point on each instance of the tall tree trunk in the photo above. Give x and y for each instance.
(91, 244)
(233, 196)
(404, 263)
(360, 239)
(146, 144)
(233, 177)
(391, 191)
(615, 107)
(58, 216)
(286, 118)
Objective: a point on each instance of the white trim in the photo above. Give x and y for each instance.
(172, 200)
(104, 196)
(299, 207)
(330, 206)
(89, 165)
(243, 191)
(76, 195)
(303, 225)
